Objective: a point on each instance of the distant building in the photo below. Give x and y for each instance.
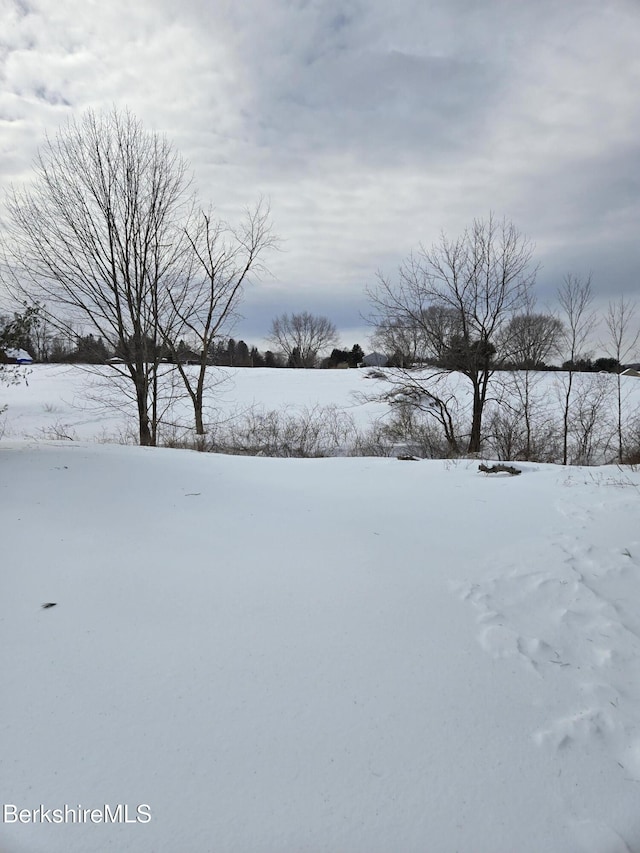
(15, 356)
(375, 359)
(631, 371)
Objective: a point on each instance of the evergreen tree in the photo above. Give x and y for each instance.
(15, 332)
(242, 358)
(257, 359)
(89, 350)
(295, 358)
(271, 359)
(356, 355)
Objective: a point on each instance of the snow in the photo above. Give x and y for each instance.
(76, 402)
(362, 655)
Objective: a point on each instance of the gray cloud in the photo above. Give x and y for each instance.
(370, 126)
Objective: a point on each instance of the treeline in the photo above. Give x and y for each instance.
(29, 333)
(89, 349)
(45, 346)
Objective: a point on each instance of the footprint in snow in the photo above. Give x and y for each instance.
(590, 724)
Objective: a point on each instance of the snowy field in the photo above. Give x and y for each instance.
(311, 656)
(77, 402)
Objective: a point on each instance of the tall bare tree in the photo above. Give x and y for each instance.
(302, 336)
(222, 259)
(99, 237)
(575, 297)
(623, 335)
(459, 296)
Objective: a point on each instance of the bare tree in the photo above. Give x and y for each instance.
(575, 298)
(99, 238)
(459, 296)
(42, 337)
(622, 342)
(222, 259)
(302, 336)
(528, 340)
(591, 426)
(400, 342)
(523, 422)
(531, 339)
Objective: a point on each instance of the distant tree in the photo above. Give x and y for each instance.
(401, 339)
(61, 348)
(89, 350)
(338, 356)
(591, 422)
(295, 358)
(608, 365)
(356, 355)
(301, 337)
(155, 350)
(256, 358)
(623, 335)
(531, 339)
(398, 359)
(42, 338)
(242, 358)
(522, 425)
(352, 357)
(579, 365)
(217, 353)
(180, 351)
(272, 359)
(463, 354)
(575, 297)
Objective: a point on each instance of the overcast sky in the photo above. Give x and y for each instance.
(370, 126)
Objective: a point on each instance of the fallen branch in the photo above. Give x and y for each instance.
(499, 469)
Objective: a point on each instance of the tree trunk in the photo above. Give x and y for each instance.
(154, 407)
(198, 400)
(476, 420)
(565, 420)
(146, 437)
(527, 416)
(619, 390)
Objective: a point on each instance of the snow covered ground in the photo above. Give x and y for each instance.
(313, 656)
(70, 402)
(77, 402)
